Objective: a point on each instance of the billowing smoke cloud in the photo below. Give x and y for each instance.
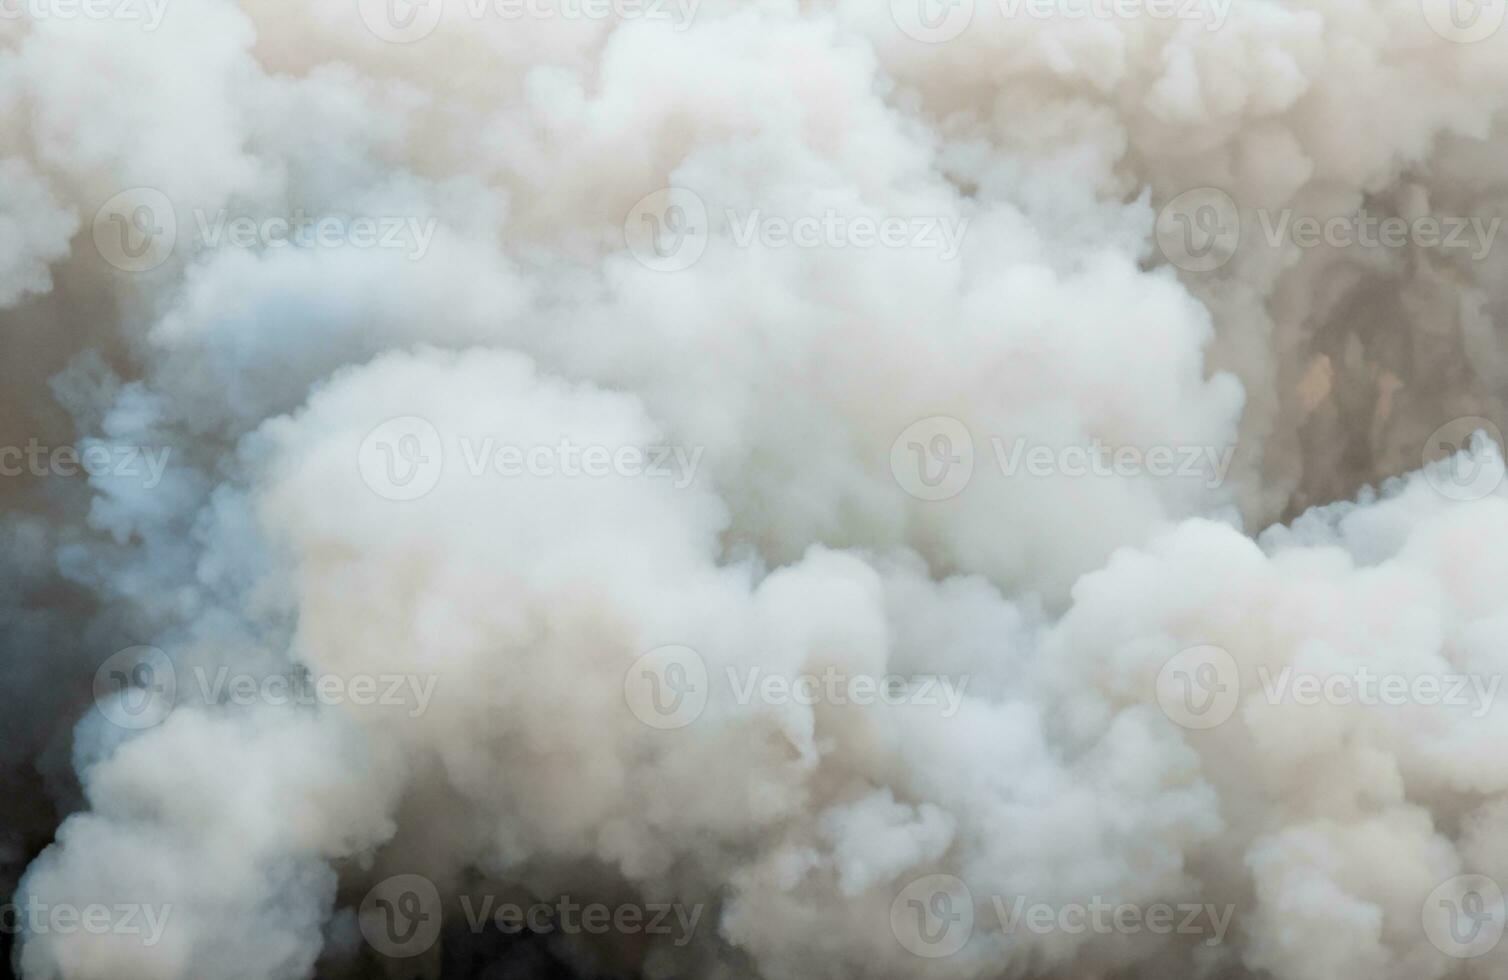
(797, 489)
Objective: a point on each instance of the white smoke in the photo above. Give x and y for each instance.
(990, 508)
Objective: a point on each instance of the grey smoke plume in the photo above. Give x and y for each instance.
(918, 389)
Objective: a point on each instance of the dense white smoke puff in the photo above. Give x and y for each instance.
(504, 157)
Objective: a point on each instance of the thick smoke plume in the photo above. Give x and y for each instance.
(868, 485)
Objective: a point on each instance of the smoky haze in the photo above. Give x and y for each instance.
(693, 488)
